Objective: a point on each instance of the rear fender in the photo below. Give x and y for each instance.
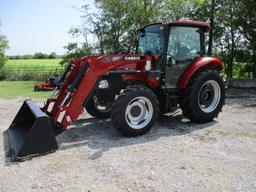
(200, 63)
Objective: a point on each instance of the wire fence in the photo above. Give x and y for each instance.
(37, 73)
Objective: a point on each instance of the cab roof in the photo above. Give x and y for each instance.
(189, 23)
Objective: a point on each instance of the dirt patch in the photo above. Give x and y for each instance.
(176, 155)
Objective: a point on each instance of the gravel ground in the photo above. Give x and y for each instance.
(176, 155)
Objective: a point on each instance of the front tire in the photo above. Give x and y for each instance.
(203, 98)
(135, 111)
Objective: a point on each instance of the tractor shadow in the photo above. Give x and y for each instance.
(100, 135)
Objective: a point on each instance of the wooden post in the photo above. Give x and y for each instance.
(211, 30)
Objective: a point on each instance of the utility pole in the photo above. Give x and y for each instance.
(211, 30)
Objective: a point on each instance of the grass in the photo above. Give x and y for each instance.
(23, 63)
(14, 89)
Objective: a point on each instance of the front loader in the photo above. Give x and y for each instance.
(170, 69)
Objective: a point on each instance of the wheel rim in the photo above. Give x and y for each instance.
(209, 96)
(101, 107)
(139, 112)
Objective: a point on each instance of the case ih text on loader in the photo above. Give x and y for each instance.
(170, 69)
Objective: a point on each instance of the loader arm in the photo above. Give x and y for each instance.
(80, 81)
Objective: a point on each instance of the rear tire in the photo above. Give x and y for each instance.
(203, 98)
(135, 111)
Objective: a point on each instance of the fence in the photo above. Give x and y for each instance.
(37, 73)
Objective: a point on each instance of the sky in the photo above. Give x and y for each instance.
(38, 25)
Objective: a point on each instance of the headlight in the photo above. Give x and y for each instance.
(103, 84)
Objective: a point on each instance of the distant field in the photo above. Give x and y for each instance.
(13, 89)
(23, 63)
(30, 69)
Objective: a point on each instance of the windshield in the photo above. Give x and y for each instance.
(150, 40)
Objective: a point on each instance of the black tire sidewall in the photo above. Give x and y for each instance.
(125, 128)
(199, 82)
(93, 111)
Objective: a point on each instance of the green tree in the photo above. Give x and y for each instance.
(52, 55)
(179, 9)
(246, 21)
(40, 55)
(76, 50)
(3, 46)
(230, 38)
(115, 22)
(227, 38)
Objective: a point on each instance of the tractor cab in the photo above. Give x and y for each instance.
(173, 46)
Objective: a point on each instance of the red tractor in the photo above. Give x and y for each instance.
(49, 84)
(170, 69)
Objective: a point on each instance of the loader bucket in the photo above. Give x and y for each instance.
(31, 133)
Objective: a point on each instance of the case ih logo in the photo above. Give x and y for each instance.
(120, 58)
(131, 58)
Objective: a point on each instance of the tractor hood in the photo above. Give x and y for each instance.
(110, 58)
(121, 57)
(122, 61)
(112, 62)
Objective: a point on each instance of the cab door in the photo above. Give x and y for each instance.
(184, 45)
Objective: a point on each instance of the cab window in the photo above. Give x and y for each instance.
(184, 44)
